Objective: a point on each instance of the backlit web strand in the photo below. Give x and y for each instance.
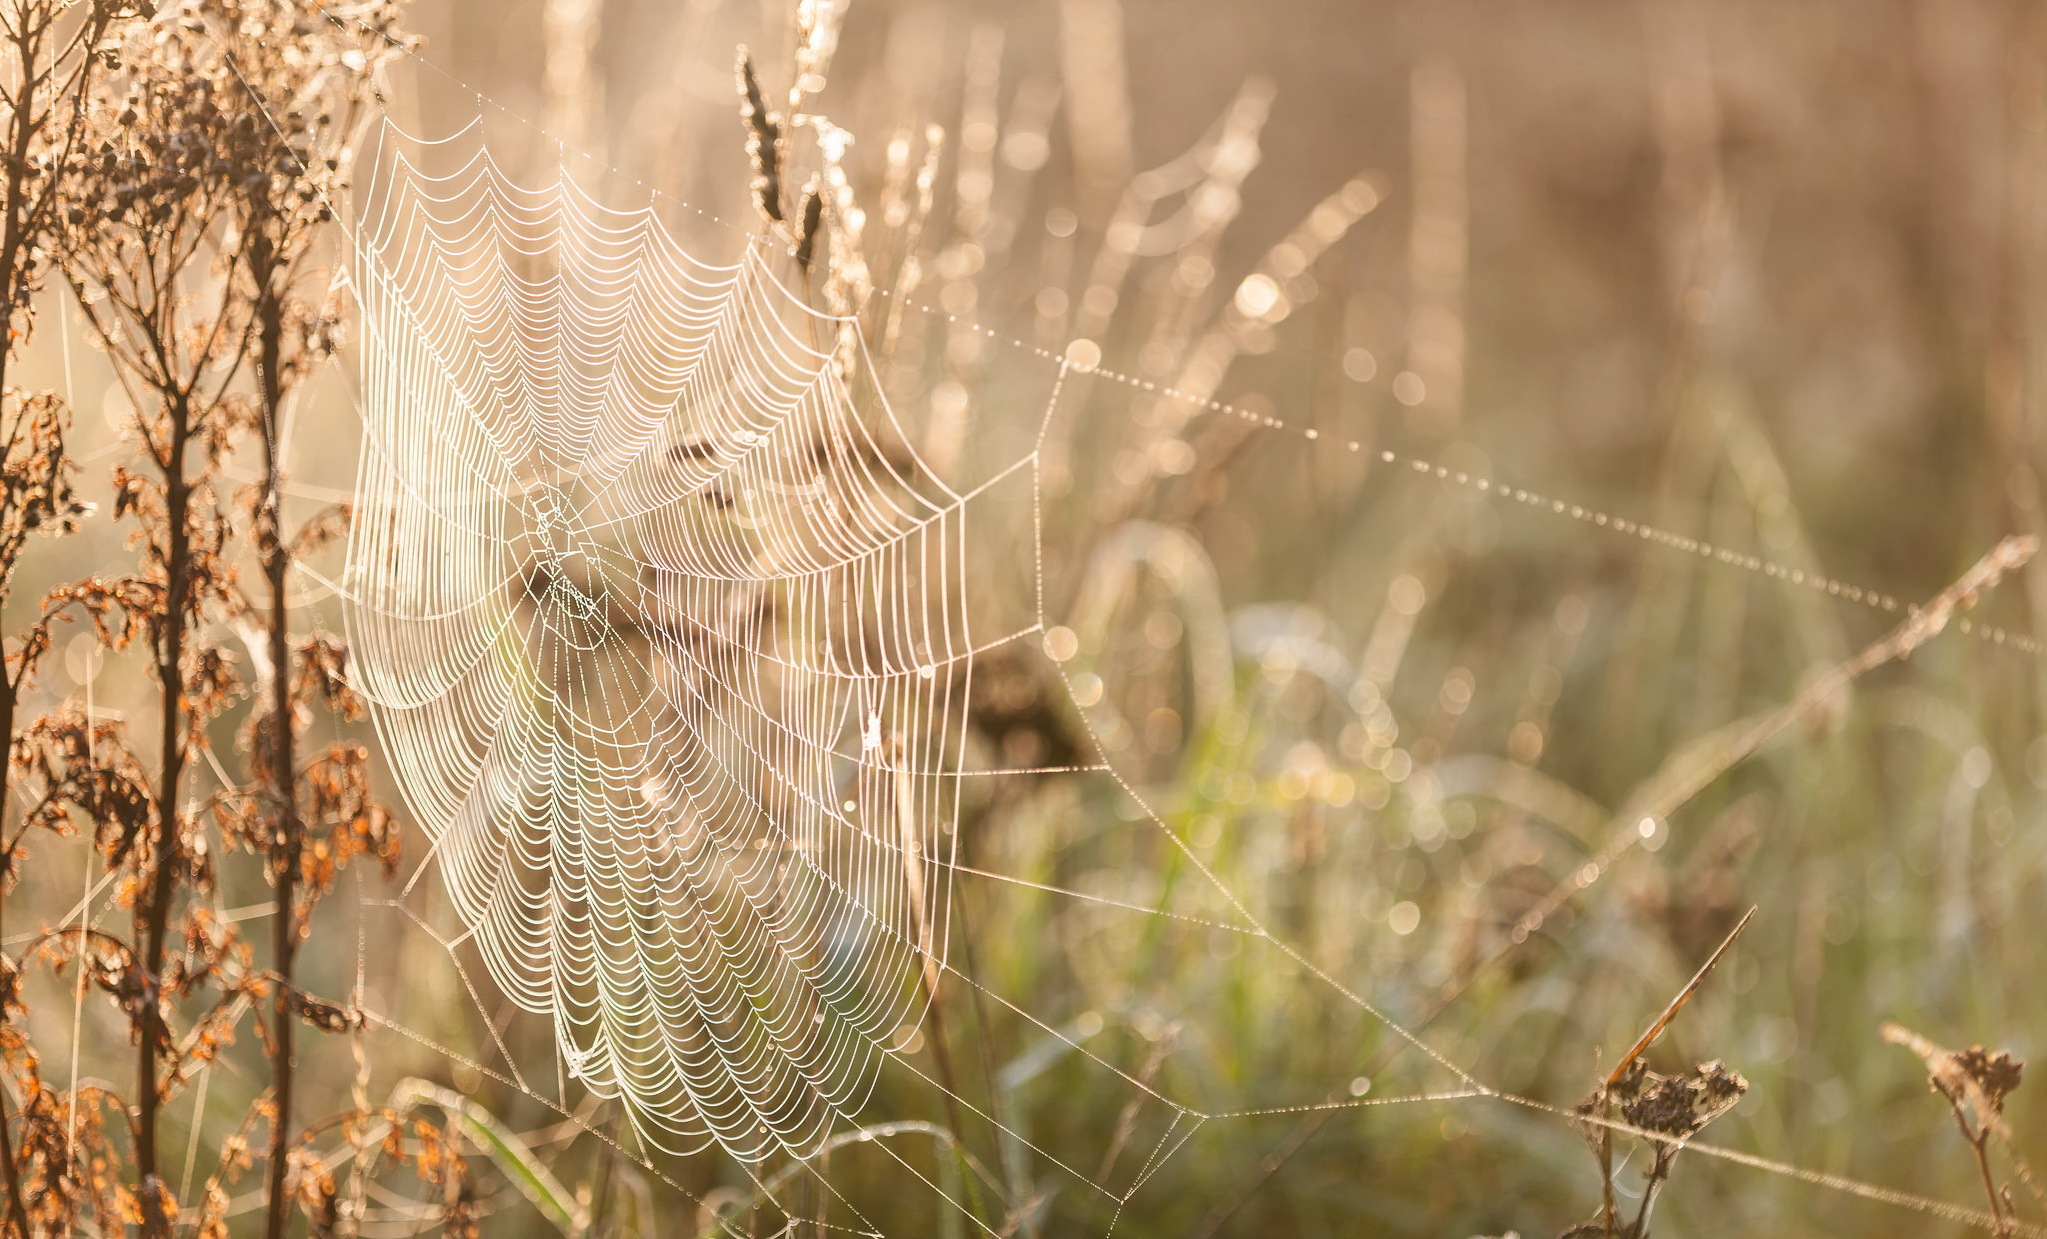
(667, 645)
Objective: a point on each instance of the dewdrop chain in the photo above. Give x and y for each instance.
(1833, 587)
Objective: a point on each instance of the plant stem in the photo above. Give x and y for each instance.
(1609, 1212)
(1980, 1142)
(1641, 1226)
(11, 237)
(17, 1215)
(155, 914)
(17, 1212)
(280, 761)
(928, 978)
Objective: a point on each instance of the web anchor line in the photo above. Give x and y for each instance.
(1481, 484)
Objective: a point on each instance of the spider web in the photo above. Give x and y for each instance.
(667, 632)
(666, 645)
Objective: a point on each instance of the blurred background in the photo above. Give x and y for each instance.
(1765, 275)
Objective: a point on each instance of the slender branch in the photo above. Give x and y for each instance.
(280, 762)
(1979, 1142)
(17, 1212)
(26, 216)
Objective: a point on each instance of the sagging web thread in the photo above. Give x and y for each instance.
(666, 639)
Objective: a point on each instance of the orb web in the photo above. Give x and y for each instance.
(666, 634)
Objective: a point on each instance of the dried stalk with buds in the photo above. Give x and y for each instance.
(50, 54)
(1976, 1083)
(1666, 1110)
(153, 200)
(302, 81)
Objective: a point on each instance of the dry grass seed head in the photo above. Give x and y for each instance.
(764, 142)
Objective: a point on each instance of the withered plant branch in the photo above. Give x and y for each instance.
(52, 49)
(17, 1212)
(297, 118)
(1626, 1064)
(158, 178)
(277, 758)
(1975, 1084)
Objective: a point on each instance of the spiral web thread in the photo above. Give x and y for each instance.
(667, 644)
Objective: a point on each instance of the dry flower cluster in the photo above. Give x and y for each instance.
(174, 167)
